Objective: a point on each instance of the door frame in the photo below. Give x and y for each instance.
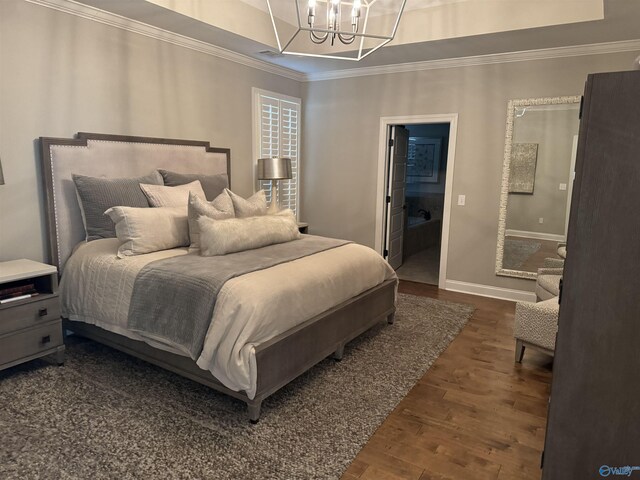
(383, 174)
(572, 176)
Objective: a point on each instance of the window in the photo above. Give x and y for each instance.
(277, 134)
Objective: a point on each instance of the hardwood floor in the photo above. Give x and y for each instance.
(474, 415)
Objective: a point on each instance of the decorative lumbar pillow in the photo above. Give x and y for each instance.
(275, 210)
(212, 185)
(161, 196)
(253, 206)
(146, 230)
(219, 237)
(220, 208)
(97, 194)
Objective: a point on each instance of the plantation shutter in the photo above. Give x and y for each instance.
(279, 137)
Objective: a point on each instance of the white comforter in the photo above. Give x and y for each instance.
(96, 288)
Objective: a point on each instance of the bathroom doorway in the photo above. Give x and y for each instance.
(417, 240)
(424, 200)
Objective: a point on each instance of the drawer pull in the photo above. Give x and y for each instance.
(42, 312)
(46, 339)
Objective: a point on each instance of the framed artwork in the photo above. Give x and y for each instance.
(522, 174)
(423, 159)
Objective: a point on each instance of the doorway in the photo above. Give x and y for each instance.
(417, 169)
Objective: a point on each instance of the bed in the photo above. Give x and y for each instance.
(283, 319)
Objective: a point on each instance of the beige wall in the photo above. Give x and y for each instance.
(60, 74)
(340, 149)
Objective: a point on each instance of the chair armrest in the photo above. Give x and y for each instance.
(562, 250)
(550, 271)
(553, 263)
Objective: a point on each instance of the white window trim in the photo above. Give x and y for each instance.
(256, 128)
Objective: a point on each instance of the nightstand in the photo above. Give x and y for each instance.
(30, 325)
(303, 227)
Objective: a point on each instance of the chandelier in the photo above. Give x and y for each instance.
(340, 29)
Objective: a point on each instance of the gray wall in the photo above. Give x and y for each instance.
(61, 74)
(342, 122)
(553, 131)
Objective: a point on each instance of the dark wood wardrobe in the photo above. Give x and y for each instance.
(594, 412)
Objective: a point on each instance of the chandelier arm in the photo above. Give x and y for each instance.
(318, 39)
(346, 39)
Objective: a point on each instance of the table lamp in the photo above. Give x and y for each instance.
(274, 169)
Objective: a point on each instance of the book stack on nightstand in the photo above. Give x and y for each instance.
(30, 325)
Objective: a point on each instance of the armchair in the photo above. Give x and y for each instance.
(549, 275)
(548, 283)
(536, 325)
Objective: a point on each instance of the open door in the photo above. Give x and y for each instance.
(398, 148)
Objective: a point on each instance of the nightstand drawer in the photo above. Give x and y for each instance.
(29, 314)
(31, 341)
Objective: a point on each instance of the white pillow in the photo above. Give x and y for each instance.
(253, 206)
(146, 230)
(163, 196)
(219, 237)
(219, 208)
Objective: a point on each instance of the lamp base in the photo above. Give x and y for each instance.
(274, 206)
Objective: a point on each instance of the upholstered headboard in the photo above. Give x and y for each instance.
(110, 156)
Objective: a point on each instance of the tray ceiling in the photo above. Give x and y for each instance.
(429, 29)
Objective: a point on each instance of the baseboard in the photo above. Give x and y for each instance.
(490, 291)
(538, 235)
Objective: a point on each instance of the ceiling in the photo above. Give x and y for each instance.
(429, 29)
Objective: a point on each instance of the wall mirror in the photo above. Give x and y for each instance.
(537, 179)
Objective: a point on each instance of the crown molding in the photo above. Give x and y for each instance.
(107, 18)
(528, 55)
(124, 23)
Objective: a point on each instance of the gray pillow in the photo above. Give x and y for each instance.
(98, 194)
(213, 185)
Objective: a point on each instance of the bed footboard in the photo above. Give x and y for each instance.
(292, 353)
(281, 359)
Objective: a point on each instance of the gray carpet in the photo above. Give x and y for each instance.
(107, 415)
(517, 251)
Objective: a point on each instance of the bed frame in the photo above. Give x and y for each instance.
(279, 360)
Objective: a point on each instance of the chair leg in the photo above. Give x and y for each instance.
(519, 351)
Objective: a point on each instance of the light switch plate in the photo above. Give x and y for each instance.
(563, 186)
(461, 200)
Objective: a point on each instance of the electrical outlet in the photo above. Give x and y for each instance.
(541, 220)
(461, 200)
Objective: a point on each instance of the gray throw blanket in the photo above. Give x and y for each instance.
(173, 298)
